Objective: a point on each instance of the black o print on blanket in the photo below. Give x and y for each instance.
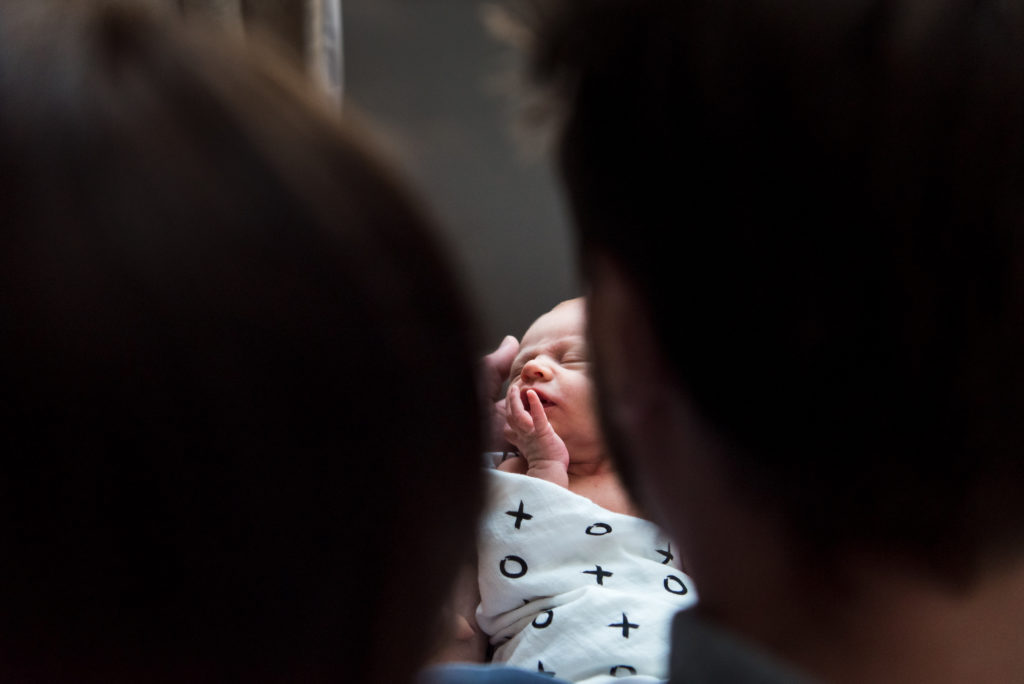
(603, 529)
(503, 566)
(549, 614)
(679, 589)
(628, 669)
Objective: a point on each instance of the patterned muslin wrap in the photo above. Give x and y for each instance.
(572, 589)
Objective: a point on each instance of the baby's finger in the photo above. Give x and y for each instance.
(518, 418)
(512, 401)
(540, 419)
(511, 436)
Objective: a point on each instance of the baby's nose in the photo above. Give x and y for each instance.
(537, 370)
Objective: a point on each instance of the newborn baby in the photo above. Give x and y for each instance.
(551, 418)
(572, 582)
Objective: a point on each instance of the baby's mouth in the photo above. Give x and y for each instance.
(544, 401)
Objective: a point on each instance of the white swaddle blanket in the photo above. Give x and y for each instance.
(573, 589)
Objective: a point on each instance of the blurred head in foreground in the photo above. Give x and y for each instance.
(803, 226)
(213, 299)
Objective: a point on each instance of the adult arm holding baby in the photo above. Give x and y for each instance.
(492, 372)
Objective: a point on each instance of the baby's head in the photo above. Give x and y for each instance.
(553, 360)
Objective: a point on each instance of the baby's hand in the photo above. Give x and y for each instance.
(546, 455)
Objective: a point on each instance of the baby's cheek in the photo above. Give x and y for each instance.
(556, 425)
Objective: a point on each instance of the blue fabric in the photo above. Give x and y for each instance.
(482, 674)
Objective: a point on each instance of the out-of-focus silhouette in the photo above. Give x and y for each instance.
(802, 227)
(240, 430)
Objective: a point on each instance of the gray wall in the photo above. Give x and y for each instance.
(425, 72)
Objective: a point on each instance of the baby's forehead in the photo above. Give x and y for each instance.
(550, 332)
(532, 344)
(566, 319)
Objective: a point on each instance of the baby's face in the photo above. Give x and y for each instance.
(553, 361)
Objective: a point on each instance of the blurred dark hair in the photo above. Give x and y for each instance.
(822, 203)
(240, 432)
